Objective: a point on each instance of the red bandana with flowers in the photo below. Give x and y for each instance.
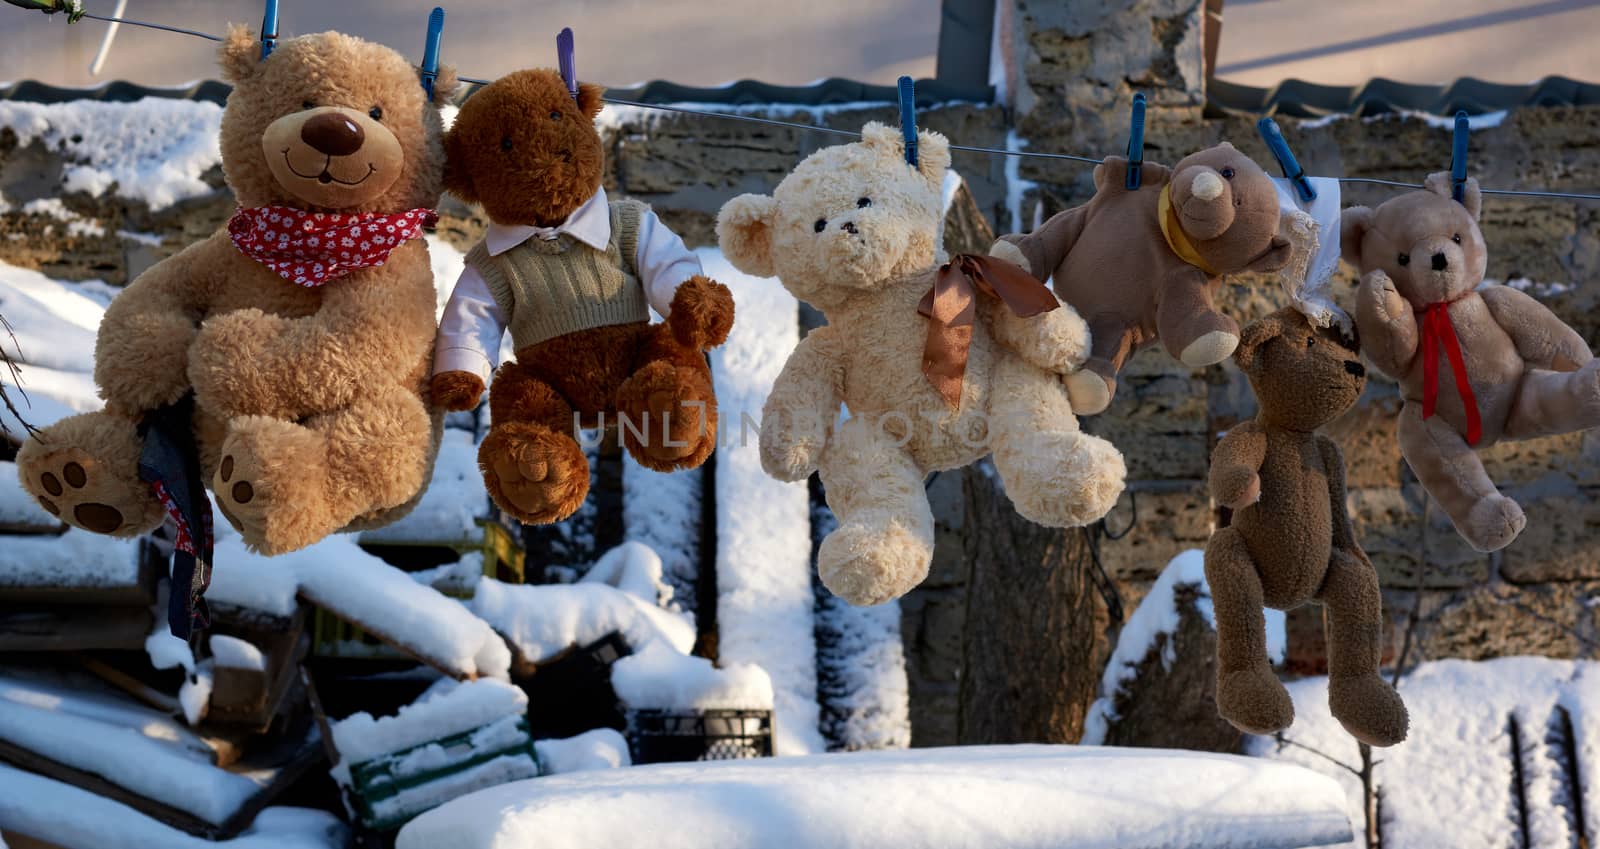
(312, 248)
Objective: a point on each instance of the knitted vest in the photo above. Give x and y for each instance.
(551, 288)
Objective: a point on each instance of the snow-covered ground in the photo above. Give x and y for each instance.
(1017, 797)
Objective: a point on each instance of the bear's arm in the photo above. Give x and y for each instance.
(1046, 247)
(1344, 533)
(1056, 341)
(375, 327)
(1542, 340)
(142, 348)
(1236, 465)
(800, 412)
(1111, 175)
(1387, 325)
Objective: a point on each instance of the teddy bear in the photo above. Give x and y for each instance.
(1142, 265)
(1476, 364)
(1291, 541)
(300, 334)
(573, 276)
(938, 364)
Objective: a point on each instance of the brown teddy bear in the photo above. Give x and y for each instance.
(573, 277)
(1291, 541)
(1476, 364)
(937, 365)
(303, 330)
(1143, 265)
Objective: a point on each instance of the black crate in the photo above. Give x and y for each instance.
(572, 694)
(665, 736)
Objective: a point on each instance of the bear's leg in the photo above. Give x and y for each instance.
(1054, 473)
(532, 466)
(286, 485)
(667, 409)
(1249, 694)
(1092, 387)
(1365, 704)
(883, 545)
(1452, 473)
(85, 471)
(1552, 402)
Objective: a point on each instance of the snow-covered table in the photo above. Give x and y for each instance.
(989, 797)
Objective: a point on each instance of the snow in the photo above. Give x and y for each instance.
(602, 748)
(195, 694)
(764, 594)
(544, 620)
(113, 742)
(452, 504)
(17, 507)
(1156, 619)
(77, 225)
(659, 678)
(77, 819)
(54, 324)
(453, 710)
(155, 150)
(1016, 187)
(663, 511)
(633, 568)
(234, 653)
(1018, 797)
(1459, 750)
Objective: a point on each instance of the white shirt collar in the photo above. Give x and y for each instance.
(589, 224)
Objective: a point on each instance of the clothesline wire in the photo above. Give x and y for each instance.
(816, 128)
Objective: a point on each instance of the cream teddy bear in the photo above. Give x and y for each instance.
(937, 366)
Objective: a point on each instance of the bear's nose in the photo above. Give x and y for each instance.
(1207, 186)
(333, 134)
(1440, 262)
(848, 227)
(1355, 368)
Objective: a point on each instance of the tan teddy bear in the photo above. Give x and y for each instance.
(934, 374)
(304, 330)
(1476, 364)
(1142, 265)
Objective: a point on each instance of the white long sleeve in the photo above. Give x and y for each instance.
(470, 330)
(663, 261)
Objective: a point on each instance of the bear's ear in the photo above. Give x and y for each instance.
(1256, 334)
(240, 54)
(590, 100)
(1353, 226)
(883, 139)
(744, 232)
(445, 85)
(457, 176)
(1471, 195)
(933, 156)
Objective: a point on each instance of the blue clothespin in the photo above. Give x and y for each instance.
(269, 29)
(908, 118)
(1458, 158)
(566, 58)
(430, 50)
(1270, 134)
(1136, 143)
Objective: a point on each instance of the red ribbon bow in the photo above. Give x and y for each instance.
(1437, 330)
(312, 248)
(951, 307)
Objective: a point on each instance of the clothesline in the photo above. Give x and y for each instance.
(816, 128)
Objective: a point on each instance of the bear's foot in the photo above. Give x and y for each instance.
(1089, 392)
(1254, 700)
(1369, 709)
(871, 563)
(1062, 479)
(1210, 349)
(272, 485)
(533, 473)
(84, 470)
(667, 417)
(1493, 523)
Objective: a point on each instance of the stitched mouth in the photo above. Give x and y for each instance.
(326, 176)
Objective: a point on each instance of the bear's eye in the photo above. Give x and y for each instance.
(307, 105)
(1404, 259)
(555, 114)
(505, 143)
(1227, 173)
(376, 112)
(822, 224)
(863, 203)
(1311, 341)
(1456, 238)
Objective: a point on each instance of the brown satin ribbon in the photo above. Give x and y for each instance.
(951, 307)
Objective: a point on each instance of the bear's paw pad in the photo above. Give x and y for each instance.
(72, 486)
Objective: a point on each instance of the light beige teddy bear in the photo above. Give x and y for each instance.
(855, 231)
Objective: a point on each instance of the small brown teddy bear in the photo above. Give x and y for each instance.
(573, 277)
(1291, 541)
(1510, 369)
(304, 329)
(1141, 265)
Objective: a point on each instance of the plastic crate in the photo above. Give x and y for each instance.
(665, 736)
(377, 780)
(572, 694)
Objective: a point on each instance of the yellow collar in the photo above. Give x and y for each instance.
(1176, 238)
